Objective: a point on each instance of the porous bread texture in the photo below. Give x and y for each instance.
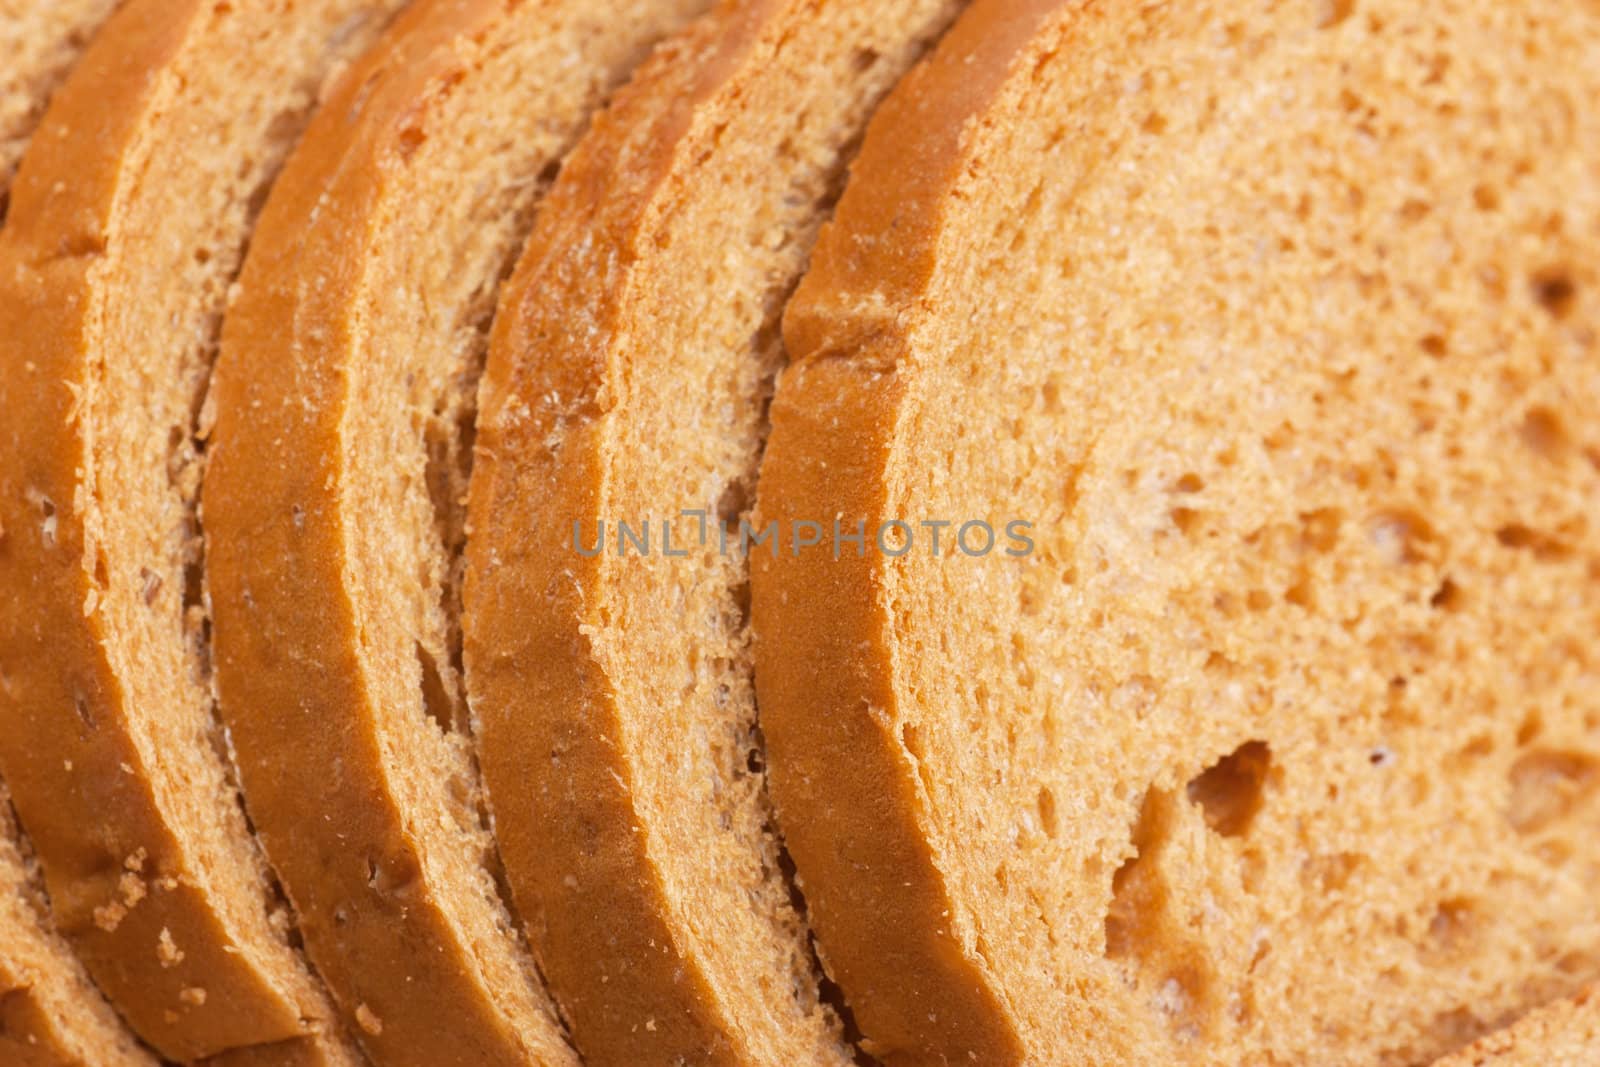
(40, 42)
(1279, 324)
(1564, 1034)
(343, 404)
(632, 359)
(114, 264)
(51, 1015)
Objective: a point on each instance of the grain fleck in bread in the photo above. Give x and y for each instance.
(632, 358)
(51, 1015)
(344, 401)
(114, 262)
(40, 41)
(1564, 1034)
(1279, 323)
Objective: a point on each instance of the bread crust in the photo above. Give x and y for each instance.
(197, 971)
(592, 325)
(834, 662)
(843, 780)
(338, 757)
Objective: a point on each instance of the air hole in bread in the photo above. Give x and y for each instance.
(1231, 791)
(1144, 930)
(1542, 546)
(410, 139)
(1334, 12)
(1452, 925)
(1188, 521)
(1402, 536)
(1544, 432)
(436, 697)
(1555, 291)
(1049, 820)
(1447, 597)
(1547, 784)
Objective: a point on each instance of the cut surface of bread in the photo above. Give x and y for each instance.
(40, 43)
(1278, 323)
(51, 1014)
(343, 404)
(1564, 1034)
(127, 221)
(632, 358)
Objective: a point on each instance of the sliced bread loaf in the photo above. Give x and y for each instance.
(40, 43)
(1564, 1034)
(343, 406)
(1275, 736)
(51, 1014)
(127, 221)
(632, 359)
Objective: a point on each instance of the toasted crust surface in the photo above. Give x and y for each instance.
(631, 360)
(113, 267)
(1089, 806)
(343, 403)
(1565, 1034)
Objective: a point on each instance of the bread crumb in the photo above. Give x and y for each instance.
(368, 1020)
(193, 996)
(109, 916)
(167, 950)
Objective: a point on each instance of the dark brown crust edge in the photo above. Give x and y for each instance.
(64, 773)
(843, 780)
(563, 803)
(292, 687)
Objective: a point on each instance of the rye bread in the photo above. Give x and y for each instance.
(633, 355)
(1564, 1034)
(51, 1014)
(343, 405)
(127, 221)
(1279, 323)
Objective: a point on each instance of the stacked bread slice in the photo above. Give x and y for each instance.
(759, 532)
(343, 406)
(633, 354)
(1279, 738)
(127, 221)
(50, 1011)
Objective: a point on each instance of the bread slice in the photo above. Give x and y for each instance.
(127, 221)
(343, 407)
(1564, 1034)
(50, 1011)
(51, 1015)
(40, 43)
(1275, 738)
(633, 354)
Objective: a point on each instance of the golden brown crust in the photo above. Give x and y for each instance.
(314, 551)
(843, 648)
(129, 891)
(841, 776)
(631, 358)
(315, 769)
(540, 699)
